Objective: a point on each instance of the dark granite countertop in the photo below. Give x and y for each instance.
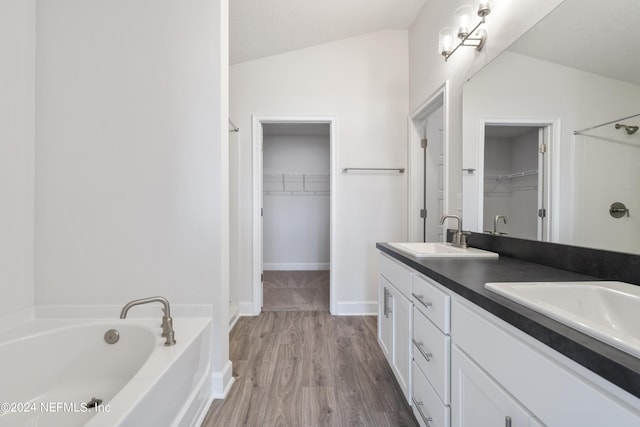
(466, 277)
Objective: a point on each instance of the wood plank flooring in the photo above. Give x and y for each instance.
(296, 290)
(309, 369)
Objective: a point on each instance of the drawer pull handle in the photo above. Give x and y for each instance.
(419, 345)
(420, 298)
(387, 306)
(418, 405)
(507, 421)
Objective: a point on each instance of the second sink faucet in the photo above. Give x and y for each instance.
(459, 237)
(167, 321)
(495, 223)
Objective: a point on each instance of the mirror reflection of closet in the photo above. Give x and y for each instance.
(513, 181)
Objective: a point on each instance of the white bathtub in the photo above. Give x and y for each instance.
(50, 369)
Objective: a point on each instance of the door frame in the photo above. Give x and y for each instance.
(439, 98)
(257, 171)
(551, 128)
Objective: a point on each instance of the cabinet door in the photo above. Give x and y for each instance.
(385, 318)
(478, 401)
(402, 340)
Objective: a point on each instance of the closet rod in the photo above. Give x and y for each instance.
(578, 132)
(400, 170)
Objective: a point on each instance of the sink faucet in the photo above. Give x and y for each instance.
(495, 223)
(459, 237)
(167, 321)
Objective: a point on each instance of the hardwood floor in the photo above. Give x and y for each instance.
(309, 369)
(296, 290)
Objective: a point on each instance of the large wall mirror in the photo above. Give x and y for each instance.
(550, 131)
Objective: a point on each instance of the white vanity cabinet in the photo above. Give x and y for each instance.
(499, 372)
(461, 366)
(480, 401)
(394, 318)
(431, 352)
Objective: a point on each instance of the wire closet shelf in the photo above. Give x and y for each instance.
(296, 184)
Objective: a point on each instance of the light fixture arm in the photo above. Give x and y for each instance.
(477, 42)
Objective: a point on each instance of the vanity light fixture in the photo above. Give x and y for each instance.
(467, 36)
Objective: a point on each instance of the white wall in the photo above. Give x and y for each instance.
(296, 222)
(428, 70)
(579, 99)
(131, 159)
(17, 116)
(363, 81)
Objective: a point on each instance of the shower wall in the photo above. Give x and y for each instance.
(608, 171)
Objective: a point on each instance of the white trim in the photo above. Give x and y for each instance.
(357, 308)
(245, 308)
(109, 311)
(197, 406)
(283, 266)
(222, 381)
(233, 321)
(257, 121)
(552, 172)
(439, 98)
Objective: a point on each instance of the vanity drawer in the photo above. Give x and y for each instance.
(431, 352)
(426, 406)
(434, 303)
(396, 273)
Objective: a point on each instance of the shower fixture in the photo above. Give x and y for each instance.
(630, 129)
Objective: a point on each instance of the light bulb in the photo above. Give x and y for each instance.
(447, 39)
(464, 16)
(482, 7)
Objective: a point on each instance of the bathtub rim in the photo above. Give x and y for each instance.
(188, 330)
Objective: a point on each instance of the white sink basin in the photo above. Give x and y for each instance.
(608, 311)
(441, 250)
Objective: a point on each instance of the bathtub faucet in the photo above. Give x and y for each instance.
(167, 321)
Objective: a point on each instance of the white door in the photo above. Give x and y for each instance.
(435, 177)
(402, 340)
(427, 152)
(543, 184)
(385, 318)
(478, 401)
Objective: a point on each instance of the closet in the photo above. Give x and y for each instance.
(511, 180)
(296, 220)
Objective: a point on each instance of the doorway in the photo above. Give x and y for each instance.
(294, 208)
(515, 199)
(428, 168)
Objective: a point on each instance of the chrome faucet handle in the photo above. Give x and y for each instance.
(463, 238)
(168, 332)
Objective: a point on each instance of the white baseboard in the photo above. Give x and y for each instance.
(222, 381)
(246, 309)
(293, 266)
(113, 311)
(357, 308)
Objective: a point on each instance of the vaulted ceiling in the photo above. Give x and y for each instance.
(259, 28)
